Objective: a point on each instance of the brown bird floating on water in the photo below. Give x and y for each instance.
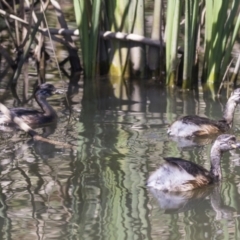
(178, 175)
(189, 126)
(34, 117)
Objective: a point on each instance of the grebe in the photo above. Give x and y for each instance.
(34, 117)
(178, 175)
(188, 126)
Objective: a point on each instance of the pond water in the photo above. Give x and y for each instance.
(98, 189)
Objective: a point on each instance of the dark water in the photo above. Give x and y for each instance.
(98, 190)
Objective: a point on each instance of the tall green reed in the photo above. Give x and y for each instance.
(221, 28)
(118, 15)
(87, 18)
(222, 21)
(171, 38)
(190, 42)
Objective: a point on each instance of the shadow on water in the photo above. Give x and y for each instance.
(98, 191)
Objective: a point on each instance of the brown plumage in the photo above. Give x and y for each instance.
(34, 117)
(188, 126)
(179, 175)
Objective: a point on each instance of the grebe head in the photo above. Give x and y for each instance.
(226, 142)
(235, 96)
(45, 90)
(223, 143)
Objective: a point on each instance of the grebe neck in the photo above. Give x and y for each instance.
(45, 106)
(229, 111)
(215, 156)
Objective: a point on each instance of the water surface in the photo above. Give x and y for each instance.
(98, 190)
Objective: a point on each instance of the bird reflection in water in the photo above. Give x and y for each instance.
(188, 143)
(204, 198)
(45, 150)
(17, 144)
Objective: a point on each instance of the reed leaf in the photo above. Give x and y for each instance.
(119, 21)
(94, 34)
(190, 41)
(219, 39)
(172, 28)
(82, 24)
(168, 32)
(89, 30)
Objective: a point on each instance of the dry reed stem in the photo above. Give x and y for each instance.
(105, 35)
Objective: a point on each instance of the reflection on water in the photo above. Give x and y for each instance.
(188, 143)
(209, 197)
(99, 190)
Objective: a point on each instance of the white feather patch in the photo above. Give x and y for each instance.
(170, 178)
(181, 129)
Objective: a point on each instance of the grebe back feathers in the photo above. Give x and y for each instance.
(179, 175)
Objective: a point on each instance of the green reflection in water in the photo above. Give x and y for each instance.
(115, 164)
(99, 191)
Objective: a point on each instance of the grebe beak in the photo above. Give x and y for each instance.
(236, 145)
(58, 91)
(168, 131)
